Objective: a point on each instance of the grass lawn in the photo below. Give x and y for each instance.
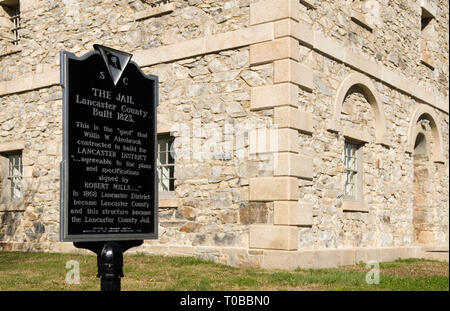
(44, 271)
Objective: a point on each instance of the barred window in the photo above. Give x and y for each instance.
(155, 3)
(428, 37)
(11, 172)
(165, 165)
(353, 172)
(13, 10)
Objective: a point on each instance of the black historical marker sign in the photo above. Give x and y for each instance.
(108, 173)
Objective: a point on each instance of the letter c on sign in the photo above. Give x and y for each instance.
(125, 81)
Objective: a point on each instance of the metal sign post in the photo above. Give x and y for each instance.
(109, 193)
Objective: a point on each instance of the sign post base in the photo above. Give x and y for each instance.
(109, 261)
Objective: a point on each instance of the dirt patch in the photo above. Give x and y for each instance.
(419, 269)
(402, 269)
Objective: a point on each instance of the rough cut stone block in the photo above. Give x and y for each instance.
(269, 10)
(265, 97)
(287, 70)
(289, 164)
(273, 189)
(253, 213)
(293, 213)
(270, 51)
(273, 237)
(289, 117)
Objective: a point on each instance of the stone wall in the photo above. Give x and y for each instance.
(311, 78)
(388, 171)
(203, 101)
(391, 34)
(51, 26)
(33, 119)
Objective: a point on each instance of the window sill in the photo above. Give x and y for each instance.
(310, 4)
(359, 19)
(155, 11)
(10, 50)
(167, 200)
(12, 207)
(355, 206)
(427, 60)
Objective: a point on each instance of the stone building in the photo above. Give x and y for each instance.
(303, 133)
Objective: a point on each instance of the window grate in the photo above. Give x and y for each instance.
(14, 16)
(351, 170)
(15, 175)
(165, 165)
(157, 3)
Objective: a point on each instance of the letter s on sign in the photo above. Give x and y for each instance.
(102, 75)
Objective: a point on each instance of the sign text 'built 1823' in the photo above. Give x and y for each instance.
(108, 172)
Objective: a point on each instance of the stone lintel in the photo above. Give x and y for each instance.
(273, 237)
(273, 189)
(289, 164)
(293, 213)
(168, 203)
(356, 135)
(269, 10)
(287, 70)
(266, 97)
(270, 51)
(165, 128)
(12, 146)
